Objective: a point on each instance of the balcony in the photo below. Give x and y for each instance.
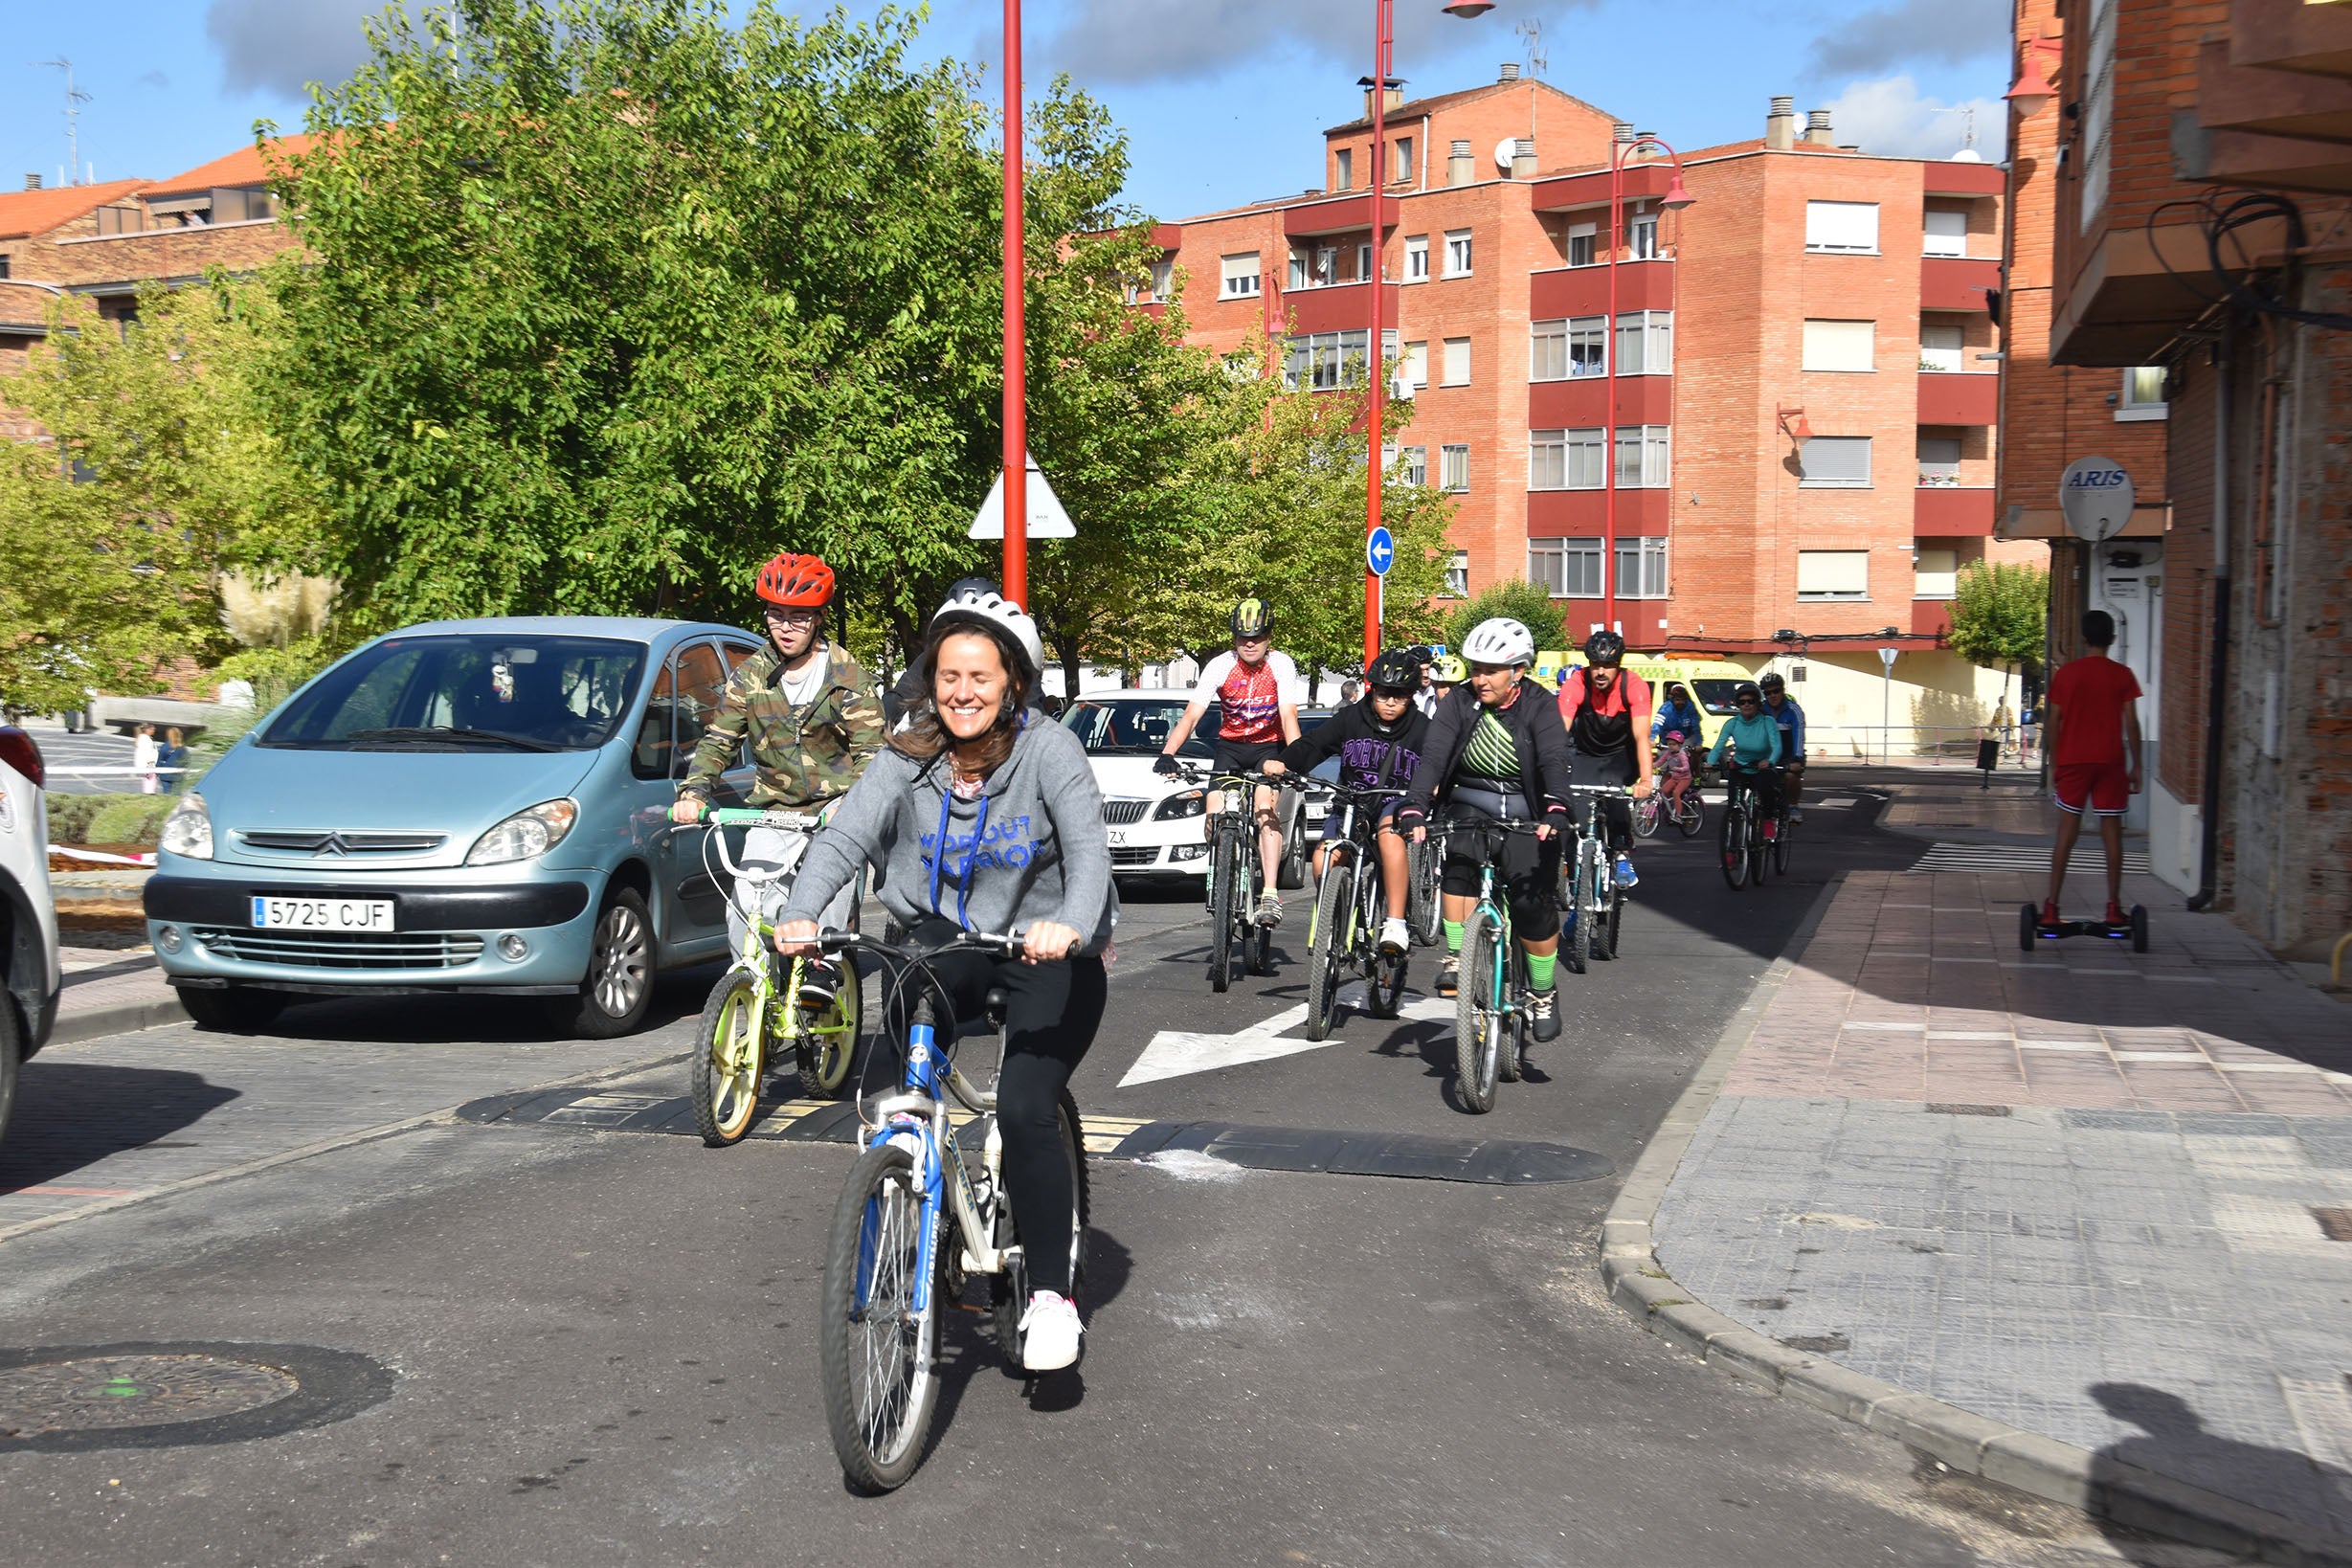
(1959, 511)
(1584, 291)
(1583, 403)
(1644, 179)
(1930, 618)
(1337, 217)
(1336, 308)
(1958, 179)
(1964, 399)
(1952, 282)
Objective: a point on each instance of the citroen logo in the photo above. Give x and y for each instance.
(332, 844)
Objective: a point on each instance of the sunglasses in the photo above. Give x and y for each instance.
(1751, 702)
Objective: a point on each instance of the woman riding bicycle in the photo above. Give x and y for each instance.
(1378, 742)
(1497, 749)
(1754, 741)
(986, 817)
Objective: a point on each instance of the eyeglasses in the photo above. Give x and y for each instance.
(1751, 702)
(792, 617)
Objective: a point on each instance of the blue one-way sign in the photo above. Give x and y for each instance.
(1379, 551)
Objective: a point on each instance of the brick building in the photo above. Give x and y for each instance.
(1800, 432)
(2184, 130)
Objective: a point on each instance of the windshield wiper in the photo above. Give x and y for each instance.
(413, 732)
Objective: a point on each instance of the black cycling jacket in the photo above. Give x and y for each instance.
(1370, 757)
(1537, 737)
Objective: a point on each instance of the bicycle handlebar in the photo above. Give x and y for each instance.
(791, 821)
(996, 944)
(1598, 789)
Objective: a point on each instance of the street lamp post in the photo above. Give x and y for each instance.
(1376, 362)
(1016, 330)
(1676, 199)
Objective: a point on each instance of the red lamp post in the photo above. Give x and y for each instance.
(1016, 330)
(1676, 199)
(1376, 362)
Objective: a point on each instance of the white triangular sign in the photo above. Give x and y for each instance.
(1046, 518)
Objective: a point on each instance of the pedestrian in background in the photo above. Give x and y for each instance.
(171, 760)
(144, 754)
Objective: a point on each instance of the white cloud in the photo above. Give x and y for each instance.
(1890, 117)
(1114, 41)
(1944, 30)
(282, 45)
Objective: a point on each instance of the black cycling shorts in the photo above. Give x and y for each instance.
(1619, 767)
(1243, 757)
(1528, 869)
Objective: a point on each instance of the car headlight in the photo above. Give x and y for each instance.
(189, 829)
(527, 833)
(1190, 803)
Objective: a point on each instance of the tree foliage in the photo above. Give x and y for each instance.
(1526, 603)
(2000, 613)
(162, 468)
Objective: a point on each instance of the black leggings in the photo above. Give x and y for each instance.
(1764, 783)
(1527, 868)
(1051, 1013)
(1620, 767)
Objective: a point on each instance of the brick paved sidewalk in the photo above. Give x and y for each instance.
(2100, 1196)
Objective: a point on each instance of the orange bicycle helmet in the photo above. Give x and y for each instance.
(801, 581)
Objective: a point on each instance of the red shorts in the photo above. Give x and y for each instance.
(2102, 788)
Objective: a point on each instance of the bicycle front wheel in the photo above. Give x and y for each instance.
(1424, 909)
(880, 1351)
(1735, 846)
(1583, 893)
(728, 1055)
(1224, 868)
(1646, 816)
(1326, 939)
(1692, 818)
(1478, 1020)
(1781, 850)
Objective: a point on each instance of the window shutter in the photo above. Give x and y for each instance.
(1837, 460)
(1836, 573)
(1841, 225)
(1947, 234)
(1840, 345)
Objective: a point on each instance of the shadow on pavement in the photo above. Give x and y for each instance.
(2178, 1444)
(71, 1114)
(443, 1020)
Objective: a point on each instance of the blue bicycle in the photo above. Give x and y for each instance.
(918, 1219)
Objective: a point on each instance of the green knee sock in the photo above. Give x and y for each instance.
(1539, 970)
(1453, 936)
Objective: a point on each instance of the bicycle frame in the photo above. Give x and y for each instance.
(758, 931)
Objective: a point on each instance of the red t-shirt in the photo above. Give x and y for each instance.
(2091, 694)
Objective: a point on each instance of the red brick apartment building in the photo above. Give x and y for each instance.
(2183, 130)
(1805, 404)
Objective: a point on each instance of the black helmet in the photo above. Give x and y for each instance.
(1746, 692)
(1772, 683)
(1419, 653)
(1604, 647)
(1253, 617)
(1396, 670)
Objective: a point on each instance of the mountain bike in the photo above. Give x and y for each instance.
(1783, 837)
(753, 1016)
(1742, 845)
(1352, 900)
(1590, 896)
(1424, 908)
(1683, 808)
(1235, 879)
(1490, 1009)
(920, 1216)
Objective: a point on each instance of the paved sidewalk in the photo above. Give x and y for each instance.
(110, 989)
(2103, 1196)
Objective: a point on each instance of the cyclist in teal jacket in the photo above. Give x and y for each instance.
(1753, 737)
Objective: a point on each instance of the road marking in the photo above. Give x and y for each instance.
(69, 1191)
(1176, 1053)
(1995, 857)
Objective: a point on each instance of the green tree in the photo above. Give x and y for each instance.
(161, 468)
(2000, 613)
(1533, 607)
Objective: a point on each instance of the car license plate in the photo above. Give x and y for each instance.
(1117, 838)
(324, 914)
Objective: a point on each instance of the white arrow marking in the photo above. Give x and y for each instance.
(1175, 1053)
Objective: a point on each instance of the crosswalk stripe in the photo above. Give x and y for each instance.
(1992, 857)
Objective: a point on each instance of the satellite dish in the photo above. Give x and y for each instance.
(1503, 150)
(1967, 155)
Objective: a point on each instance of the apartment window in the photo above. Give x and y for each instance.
(1456, 362)
(1935, 575)
(1947, 234)
(1324, 270)
(1939, 461)
(1645, 343)
(1836, 462)
(2098, 110)
(4, 263)
(1642, 456)
(1297, 278)
(1840, 345)
(1640, 569)
(1566, 349)
(1941, 349)
(1833, 574)
(1415, 257)
(1241, 274)
(1567, 568)
(2143, 394)
(1458, 575)
(1404, 168)
(1641, 237)
(1454, 468)
(1581, 466)
(1413, 466)
(1850, 226)
(1416, 369)
(1457, 253)
(1583, 245)
(1345, 160)
(1325, 360)
(1547, 350)
(1363, 262)
(1547, 459)
(1163, 280)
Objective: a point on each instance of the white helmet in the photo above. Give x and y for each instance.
(1501, 640)
(995, 610)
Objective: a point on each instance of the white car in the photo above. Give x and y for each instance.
(1156, 823)
(27, 913)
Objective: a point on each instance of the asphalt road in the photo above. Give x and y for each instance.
(602, 1345)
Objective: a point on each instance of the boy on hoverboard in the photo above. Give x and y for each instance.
(2091, 722)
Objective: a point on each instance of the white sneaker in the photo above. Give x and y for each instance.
(1049, 1333)
(1395, 937)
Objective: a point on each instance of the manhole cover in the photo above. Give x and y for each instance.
(71, 1398)
(133, 1391)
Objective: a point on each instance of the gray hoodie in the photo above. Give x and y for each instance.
(1040, 851)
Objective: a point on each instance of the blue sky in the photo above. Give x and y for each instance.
(1225, 100)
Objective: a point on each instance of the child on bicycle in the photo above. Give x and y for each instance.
(1378, 742)
(986, 816)
(813, 722)
(1497, 749)
(1752, 738)
(1673, 763)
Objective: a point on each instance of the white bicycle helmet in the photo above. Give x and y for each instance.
(1501, 640)
(995, 610)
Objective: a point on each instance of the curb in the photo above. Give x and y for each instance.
(115, 1018)
(1973, 1445)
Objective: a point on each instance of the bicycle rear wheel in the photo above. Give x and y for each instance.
(1646, 813)
(880, 1355)
(1735, 845)
(1759, 852)
(1326, 941)
(728, 1056)
(825, 1042)
(1478, 1020)
(1225, 871)
(1009, 1293)
(1693, 819)
(1257, 942)
(1781, 847)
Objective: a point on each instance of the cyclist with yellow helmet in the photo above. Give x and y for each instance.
(1257, 692)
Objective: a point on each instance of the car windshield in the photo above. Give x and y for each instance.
(1137, 729)
(1715, 694)
(476, 691)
